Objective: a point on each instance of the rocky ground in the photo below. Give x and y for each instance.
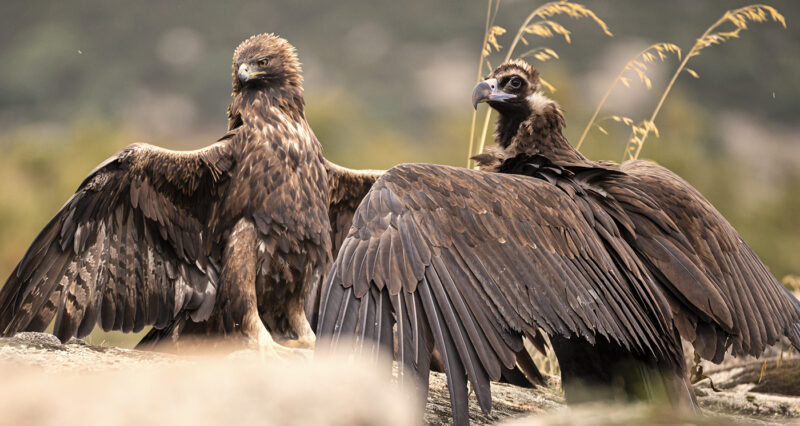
(45, 382)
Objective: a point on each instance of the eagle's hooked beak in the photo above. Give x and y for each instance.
(245, 73)
(487, 91)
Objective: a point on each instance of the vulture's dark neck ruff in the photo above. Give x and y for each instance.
(530, 130)
(535, 129)
(529, 123)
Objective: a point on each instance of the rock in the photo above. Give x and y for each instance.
(776, 396)
(628, 414)
(45, 351)
(46, 382)
(737, 398)
(507, 401)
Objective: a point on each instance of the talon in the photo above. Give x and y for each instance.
(305, 342)
(269, 349)
(275, 351)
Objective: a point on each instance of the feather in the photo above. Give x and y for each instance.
(454, 368)
(475, 371)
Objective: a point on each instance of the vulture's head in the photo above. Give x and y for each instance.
(265, 60)
(512, 88)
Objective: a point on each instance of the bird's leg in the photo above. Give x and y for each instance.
(299, 323)
(260, 338)
(238, 292)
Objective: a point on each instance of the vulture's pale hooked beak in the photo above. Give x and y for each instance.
(245, 73)
(487, 91)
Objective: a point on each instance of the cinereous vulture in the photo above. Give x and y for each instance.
(614, 263)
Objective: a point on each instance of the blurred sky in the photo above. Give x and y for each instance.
(390, 82)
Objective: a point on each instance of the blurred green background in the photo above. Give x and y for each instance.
(390, 82)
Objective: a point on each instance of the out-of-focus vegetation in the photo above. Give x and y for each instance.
(736, 21)
(540, 23)
(390, 82)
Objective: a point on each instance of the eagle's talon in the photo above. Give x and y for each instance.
(305, 342)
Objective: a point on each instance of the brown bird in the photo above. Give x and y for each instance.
(230, 239)
(614, 264)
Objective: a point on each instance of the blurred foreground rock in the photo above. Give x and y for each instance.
(45, 382)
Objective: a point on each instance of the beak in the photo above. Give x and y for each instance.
(245, 74)
(486, 91)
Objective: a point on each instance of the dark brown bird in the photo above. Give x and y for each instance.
(230, 239)
(613, 264)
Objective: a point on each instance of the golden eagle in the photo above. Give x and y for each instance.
(225, 239)
(614, 264)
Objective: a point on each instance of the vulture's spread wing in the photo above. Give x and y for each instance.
(130, 248)
(761, 309)
(471, 262)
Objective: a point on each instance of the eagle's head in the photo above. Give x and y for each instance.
(510, 88)
(265, 60)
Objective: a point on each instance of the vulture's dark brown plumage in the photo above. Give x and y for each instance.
(613, 264)
(225, 239)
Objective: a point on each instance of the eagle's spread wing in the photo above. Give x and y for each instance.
(130, 248)
(761, 309)
(472, 262)
(347, 188)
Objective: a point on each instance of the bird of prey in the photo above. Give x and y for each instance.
(229, 239)
(615, 264)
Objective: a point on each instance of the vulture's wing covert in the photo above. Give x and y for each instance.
(471, 262)
(761, 309)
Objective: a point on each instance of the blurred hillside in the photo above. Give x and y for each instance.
(389, 82)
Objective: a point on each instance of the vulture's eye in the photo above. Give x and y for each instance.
(262, 62)
(515, 82)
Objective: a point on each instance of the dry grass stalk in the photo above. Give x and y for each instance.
(638, 66)
(537, 23)
(739, 18)
(490, 34)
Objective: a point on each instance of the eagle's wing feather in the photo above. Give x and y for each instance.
(347, 188)
(761, 308)
(130, 248)
(476, 261)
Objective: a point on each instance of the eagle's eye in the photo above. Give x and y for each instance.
(262, 62)
(515, 82)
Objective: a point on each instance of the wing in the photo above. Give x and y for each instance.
(761, 309)
(130, 248)
(347, 187)
(471, 262)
